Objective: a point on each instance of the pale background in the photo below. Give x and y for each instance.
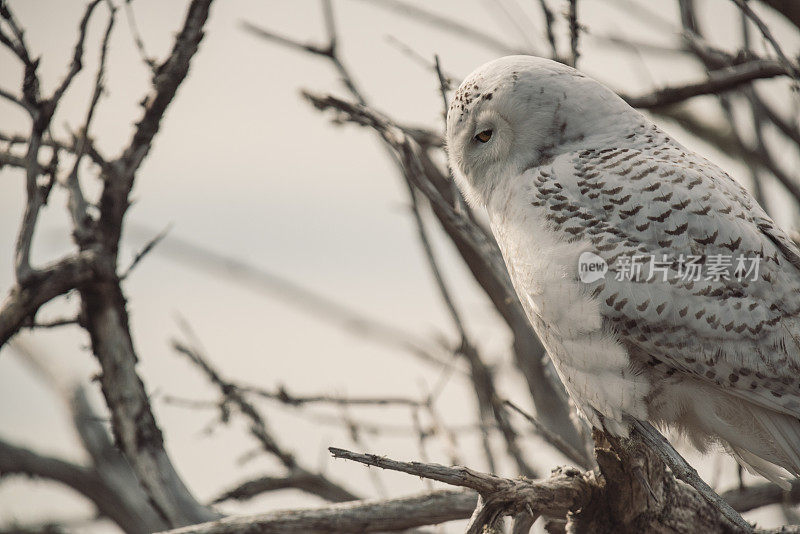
(244, 167)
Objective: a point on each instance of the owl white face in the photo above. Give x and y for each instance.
(515, 112)
(479, 147)
(497, 123)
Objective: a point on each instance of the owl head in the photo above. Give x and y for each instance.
(519, 112)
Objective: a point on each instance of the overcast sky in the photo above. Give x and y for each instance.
(243, 166)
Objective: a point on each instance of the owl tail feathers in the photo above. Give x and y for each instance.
(774, 452)
(757, 466)
(763, 441)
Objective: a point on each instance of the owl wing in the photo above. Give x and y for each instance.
(737, 329)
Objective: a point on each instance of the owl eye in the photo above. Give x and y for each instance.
(484, 136)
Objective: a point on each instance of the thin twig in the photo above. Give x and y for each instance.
(444, 86)
(137, 37)
(77, 204)
(17, 44)
(574, 31)
(55, 323)
(549, 21)
(328, 51)
(258, 426)
(147, 249)
(759, 495)
(283, 396)
(444, 23)
(16, 100)
(554, 439)
(294, 480)
(71, 146)
(77, 56)
(455, 476)
(789, 66)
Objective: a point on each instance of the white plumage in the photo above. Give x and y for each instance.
(563, 167)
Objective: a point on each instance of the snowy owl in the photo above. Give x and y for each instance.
(661, 290)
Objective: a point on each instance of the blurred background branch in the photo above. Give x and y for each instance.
(737, 96)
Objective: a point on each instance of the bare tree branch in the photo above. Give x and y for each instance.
(446, 24)
(17, 44)
(560, 444)
(791, 68)
(11, 97)
(728, 143)
(146, 249)
(565, 492)
(77, 203)
(788, 8)
(718, 81)
(360, 516)
(103, 303)
(77, 56)
(330, 51)
(682, 470)
(137, 37)
(107, 480)
(315, 482)
(16, 460)
(22, 303)
(763, 494)
(549, 20)
(284, 396)
(479, 251)
(303, 481)
(71, 146)
(574, 31)
(55, 323)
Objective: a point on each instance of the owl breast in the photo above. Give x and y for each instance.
(543, 264)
